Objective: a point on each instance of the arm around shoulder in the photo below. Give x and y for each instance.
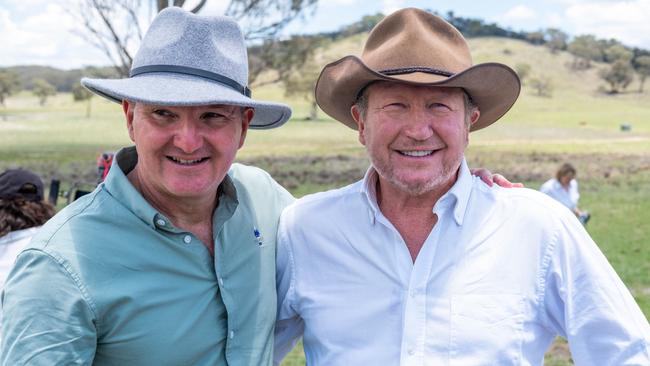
(46, 319)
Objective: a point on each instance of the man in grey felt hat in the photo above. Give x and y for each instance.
(170, 261)
(419, 263)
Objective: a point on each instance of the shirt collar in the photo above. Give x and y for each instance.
(457, 197)
(118, 186)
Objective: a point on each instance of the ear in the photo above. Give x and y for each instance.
(361, 125)
(128, 108)
(473, 117)
(247, 117)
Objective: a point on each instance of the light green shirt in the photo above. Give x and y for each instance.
(110, 281)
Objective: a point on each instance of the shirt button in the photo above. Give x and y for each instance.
(161, 222)
(187, 239)
(221, 281)
(411, 352)
(413, 293)
(232, 334)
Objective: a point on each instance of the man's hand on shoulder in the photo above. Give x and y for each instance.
(490, 179)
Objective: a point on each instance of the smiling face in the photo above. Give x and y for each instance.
(185, 152)
(415, 135)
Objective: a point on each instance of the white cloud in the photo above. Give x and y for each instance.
(627, 21)
(390, 6)
(519, 13)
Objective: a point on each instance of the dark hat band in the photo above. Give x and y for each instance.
(408, 70)
(221, 79)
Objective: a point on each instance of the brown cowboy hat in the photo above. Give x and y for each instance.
(415, 47)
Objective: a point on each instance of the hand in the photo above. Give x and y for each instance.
(489, 178)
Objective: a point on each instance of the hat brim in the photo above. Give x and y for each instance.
(493, 87)
(186, 90)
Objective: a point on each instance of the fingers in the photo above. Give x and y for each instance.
(484, 174)
(504, 182)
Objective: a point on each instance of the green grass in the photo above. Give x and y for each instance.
(577, 124)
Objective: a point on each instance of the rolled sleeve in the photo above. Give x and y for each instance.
(47, 319)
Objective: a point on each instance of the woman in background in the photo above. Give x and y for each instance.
(564, 188)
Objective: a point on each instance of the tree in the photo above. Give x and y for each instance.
(617, 52)
(535, 37)
(9, 84)
(523, 70)
(643, 68)
(42, 89)
(281, 57)
(115, 27)
(301, 82)
(79, 94)
(619, 75)
(585, 48)
(556, 40)
(542, 85)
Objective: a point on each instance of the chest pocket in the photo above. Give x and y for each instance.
(486, 329)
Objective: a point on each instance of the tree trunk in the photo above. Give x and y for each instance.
(313, 111)
(88, 107)
(641, 82)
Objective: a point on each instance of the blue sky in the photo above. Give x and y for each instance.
(41, 31)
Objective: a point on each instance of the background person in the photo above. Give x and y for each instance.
(564, 189)
(22, 212)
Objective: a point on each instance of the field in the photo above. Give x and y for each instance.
(577, 124)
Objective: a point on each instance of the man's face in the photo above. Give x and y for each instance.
(185, 152)
(415, 135)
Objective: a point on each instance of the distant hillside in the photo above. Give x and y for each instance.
(62, 80)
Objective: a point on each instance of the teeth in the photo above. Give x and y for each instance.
(187, 162)
(417, 152)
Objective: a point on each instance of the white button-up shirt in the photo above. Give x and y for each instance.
(500, 275)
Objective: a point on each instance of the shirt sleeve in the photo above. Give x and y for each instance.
(587, 303)
(46, 320)
(289, 326)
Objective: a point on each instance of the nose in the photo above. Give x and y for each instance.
(187, 137)
(419, 126)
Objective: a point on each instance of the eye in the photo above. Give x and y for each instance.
(163, 113)
(213, 115)
(394, 106)
(439, 106)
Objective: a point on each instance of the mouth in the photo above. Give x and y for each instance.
(416, 153)
(186, 162)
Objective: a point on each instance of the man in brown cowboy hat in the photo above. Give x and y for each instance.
(418, 263)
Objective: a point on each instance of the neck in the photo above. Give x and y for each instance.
(186, 213)
(411, 214)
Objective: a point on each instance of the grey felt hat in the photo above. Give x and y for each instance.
(189, 60)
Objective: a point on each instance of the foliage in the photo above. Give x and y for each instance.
(585, 48)
(79, 94)
(619, 75)
(478, 28)
(366, 23)
(9, 84)
(523, 70)
(556, 40)
(643, 68)
(301, 82)
(535, 37)
(542, 85)
(42, 89)
(283, 57)
(617, 52)
(115, 27)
